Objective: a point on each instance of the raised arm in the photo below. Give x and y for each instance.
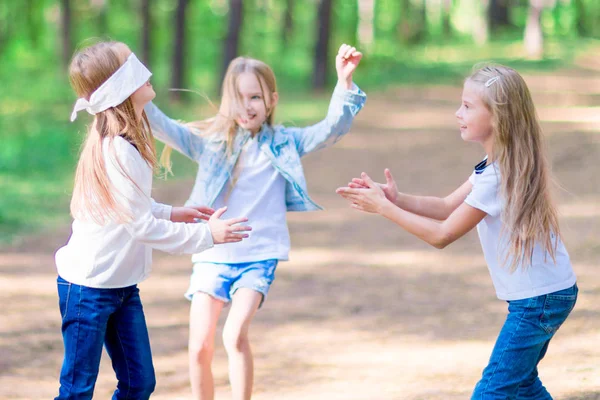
(174, 133)
(347, 100)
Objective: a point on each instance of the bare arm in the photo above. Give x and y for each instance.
(438, 208)
(461, 219)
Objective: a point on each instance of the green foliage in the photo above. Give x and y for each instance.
(40, 147)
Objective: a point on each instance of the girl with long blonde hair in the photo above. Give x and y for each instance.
(252, 166)
(507, 197)
(116, 225)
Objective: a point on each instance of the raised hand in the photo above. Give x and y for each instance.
(227, 230)
(369, 199)
(389, 188)
(346, 61)
(191, 214)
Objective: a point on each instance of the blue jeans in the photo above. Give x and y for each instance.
(512, 371)
(114, 318)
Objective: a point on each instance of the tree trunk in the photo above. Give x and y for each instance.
(404, 26)
(232, 41)
(534, 39)
(581, 25)
(288, 22)
(67, 42)
(146, 23)
(366, 16)
(480, 27)
(179, 50)
(498, 14)
(322, 46)
(446, 18)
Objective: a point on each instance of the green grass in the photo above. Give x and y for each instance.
(39, 146)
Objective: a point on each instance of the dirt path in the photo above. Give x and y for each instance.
(362, 310)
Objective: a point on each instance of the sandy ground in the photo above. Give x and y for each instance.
(362, 310)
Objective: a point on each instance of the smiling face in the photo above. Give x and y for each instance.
(473, 117)
(254, 107)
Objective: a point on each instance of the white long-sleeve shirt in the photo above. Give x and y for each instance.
(120, 254)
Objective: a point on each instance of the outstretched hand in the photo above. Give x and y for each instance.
(346, 61)
(390, 188)
(369, 198)
(227, 230)
(191, 214)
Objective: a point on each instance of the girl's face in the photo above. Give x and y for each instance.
(253, 113)
(473, 117)
(145, 93)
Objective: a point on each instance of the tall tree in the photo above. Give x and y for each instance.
(481, 30)
(534, 39)
(499, 14)
(322, 45)
(232, 41)
(101, 7)
(66, 39)
(446, 18)
(580, 18)
(178, 66)
(146, 23)
(366, 26)
(288, 22)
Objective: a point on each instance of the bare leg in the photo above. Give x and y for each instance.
(235, 337)
(204, 314)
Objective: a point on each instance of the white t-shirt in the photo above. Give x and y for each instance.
(259, 194)
(120, 254)
(543, 276)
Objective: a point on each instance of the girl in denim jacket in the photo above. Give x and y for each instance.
(253, 168)
(508, 198)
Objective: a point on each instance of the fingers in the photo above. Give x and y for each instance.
(204, 209)
(217, 214)
(233, 221)
(349, 52)
(388, 177)
(347, 191)
(342, 50)
(346, 51)
(367, 179)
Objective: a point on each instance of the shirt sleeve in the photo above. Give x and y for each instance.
(161, 211)
(126, 169)
(174, 133)
(344, 106)
(485, 194)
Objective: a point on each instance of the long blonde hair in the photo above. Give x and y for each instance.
(224, 122)
(529, 215)
(93, 194)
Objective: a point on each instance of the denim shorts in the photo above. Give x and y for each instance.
(222, 280)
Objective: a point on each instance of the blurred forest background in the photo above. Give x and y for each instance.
(188, 43)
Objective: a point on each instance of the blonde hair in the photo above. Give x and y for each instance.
(93, 193)
(224, 122)
(529, 215)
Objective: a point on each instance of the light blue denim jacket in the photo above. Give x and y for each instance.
(283, 145)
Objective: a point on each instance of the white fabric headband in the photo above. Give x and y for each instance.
(131, 76)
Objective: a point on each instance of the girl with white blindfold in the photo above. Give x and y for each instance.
(116, 225)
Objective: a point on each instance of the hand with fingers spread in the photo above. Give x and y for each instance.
(369, 198)
(389, 188)
(346, 61)
(227, 230)
(191, 214)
